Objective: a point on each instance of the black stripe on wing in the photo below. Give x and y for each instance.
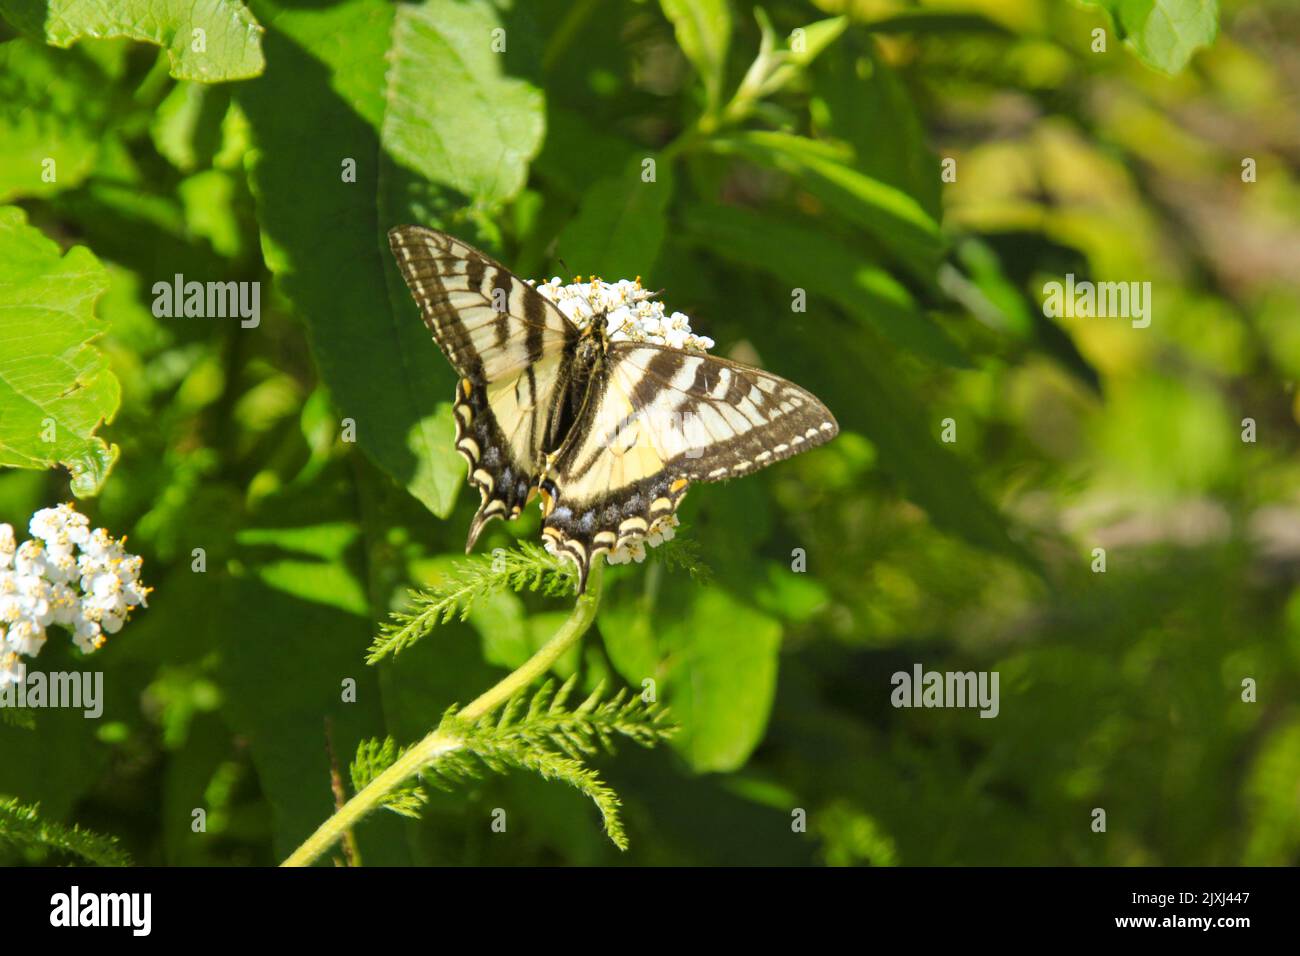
(488, 322)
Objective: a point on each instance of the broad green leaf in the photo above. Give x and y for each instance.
(1164, 33)
(283, 666)
(620, 225)
(55, 386)
(714, 666)
(325, 581)
(896, 220)
(703, 29)
(187, 125)
(52, 115)
(814, 261)
(511, 635)
(207, 40)
(453, 115)
(501, 622)
(856, 96)
(578, 153)
(327, 541)
(318, 582)
(212, 210)
(330, 255)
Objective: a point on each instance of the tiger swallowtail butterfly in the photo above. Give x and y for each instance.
(609, 432)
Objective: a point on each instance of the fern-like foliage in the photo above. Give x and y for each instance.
(538, 733)
(529, 567)
(685, 554)
(21, 826)
(373, 758)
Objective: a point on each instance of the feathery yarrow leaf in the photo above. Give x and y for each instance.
(21, 826)
(537, 732)
(685, 554)
(373, 758)
(529, 567)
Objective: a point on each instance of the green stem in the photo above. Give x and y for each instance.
(436, 744)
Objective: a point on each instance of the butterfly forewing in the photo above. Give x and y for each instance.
(657, 419)
(508, 345)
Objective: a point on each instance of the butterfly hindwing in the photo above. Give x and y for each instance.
(509, 346)
(657, 419)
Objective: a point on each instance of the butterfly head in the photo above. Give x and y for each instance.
(594, 338)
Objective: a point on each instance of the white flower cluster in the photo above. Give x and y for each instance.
(663, 529)
(631, 312)
(66, 576)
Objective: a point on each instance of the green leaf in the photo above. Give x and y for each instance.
(22, 826)
(703, 29)
(376, 357)
(714, 665)
(813, 260)
(207, 40)
(857, 94)
(55, 387)
(282, 670)
(854, 370)
(186, 127)
(52, 113)
(571, 170)
(817, 36)
(886, 409)
(453, 115)
(373, 758)
(620, 225)
(891, 216)
(537, 731)
(316, 581)
(459, 588)
(327, 541)
(1164, 33)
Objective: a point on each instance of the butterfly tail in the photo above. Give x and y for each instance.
(487, 511)
(584, 568)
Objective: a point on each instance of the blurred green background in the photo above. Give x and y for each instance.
(820, 168)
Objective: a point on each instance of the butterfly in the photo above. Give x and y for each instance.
(609, 432)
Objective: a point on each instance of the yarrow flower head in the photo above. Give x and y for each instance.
(632, 314)
(64, 576)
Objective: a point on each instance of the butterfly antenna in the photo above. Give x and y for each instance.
(586, 298)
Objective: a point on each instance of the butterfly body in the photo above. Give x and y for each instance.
(608, 432)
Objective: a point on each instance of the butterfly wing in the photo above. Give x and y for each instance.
(508, 344)
(655, 420)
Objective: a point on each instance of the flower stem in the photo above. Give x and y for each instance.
(436, 744)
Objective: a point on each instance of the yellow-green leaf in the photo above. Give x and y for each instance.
(207, 40)
(55, 386)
